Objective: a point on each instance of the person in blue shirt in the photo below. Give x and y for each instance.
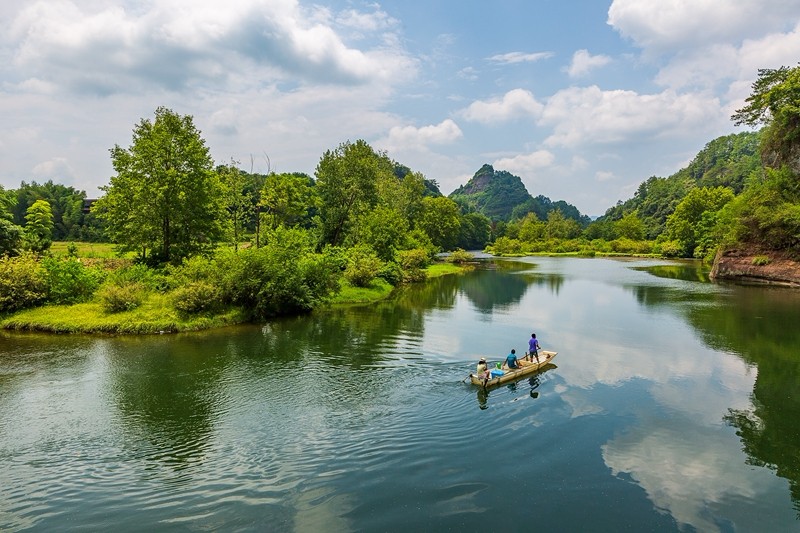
(512, 362)
(533, 348)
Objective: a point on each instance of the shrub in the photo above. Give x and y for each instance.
(669, 249)
(140, 274)
(23, 282)
(124, 297)
(362, 266)
(391, 272)
(761, 260)
(460, 257)
(413, 262)
(69, 282)
(196, 297)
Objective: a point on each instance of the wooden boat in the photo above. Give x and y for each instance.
(528, 368)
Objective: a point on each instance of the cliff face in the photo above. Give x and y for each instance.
(744, 264)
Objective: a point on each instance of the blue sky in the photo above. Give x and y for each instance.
(582, 99)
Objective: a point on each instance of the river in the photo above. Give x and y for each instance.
(674, 406)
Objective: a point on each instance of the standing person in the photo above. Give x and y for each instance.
(533, 348)
(512, 362)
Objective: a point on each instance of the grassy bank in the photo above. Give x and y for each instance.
(157, 314)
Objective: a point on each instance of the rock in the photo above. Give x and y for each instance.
(752, 265)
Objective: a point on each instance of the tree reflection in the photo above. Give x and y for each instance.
(759, 324)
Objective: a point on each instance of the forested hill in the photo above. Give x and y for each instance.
(501, 196)
(727, 161)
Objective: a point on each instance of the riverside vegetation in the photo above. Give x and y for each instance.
(198, 245)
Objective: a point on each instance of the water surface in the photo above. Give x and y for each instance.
(674, 406)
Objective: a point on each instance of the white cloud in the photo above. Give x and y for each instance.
(177, 44)
(514, 104)
(526, 163)
(410, 137)
(604, 175)
(583, 62)
(658, 26)
(520, 57)
(589, 114)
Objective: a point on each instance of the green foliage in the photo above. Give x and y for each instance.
(66, 204)
(413, 263)
(384, 230)
(774, 102)
(475, 231)
(23, 282)
(123, 297)
(237, 198)
(140, 274)
(165, 197)
(10, 237)
(761, 260)
(282, 277)
(288, 199)
(391, 272)
(767, 214)
(460, 257)
(560, 227)
(505, 246)
(630, 227)
(362, 266)
(694, 219)
(196, 297)
(347, 184)
(440, 220)
(68, 281)
(38, 232)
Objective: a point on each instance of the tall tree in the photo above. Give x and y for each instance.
(347, 183)
(287, 199)
(39, 226)
(775, 102)
(238, 201)
(166, 197)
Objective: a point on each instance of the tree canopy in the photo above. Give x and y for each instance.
(166, 197)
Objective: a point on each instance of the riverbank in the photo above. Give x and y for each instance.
(157, 315)
(751, 265)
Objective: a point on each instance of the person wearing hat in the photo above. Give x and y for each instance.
(482, 370)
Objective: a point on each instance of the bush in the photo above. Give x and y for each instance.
(69, 282)
(413, 262)
(142, 274)
(196, 297)
(283, 277)
(362, 266)
(23, 283)
(392, 273)
(761, 260)
(669, 249)
(459, 257)
(117, 298)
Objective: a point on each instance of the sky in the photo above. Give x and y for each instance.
(582, 99)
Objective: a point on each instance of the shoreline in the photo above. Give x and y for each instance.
(751, 265)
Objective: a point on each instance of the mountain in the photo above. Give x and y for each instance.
(726, 161)
(502, 196)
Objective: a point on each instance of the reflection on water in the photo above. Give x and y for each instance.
(675, 400)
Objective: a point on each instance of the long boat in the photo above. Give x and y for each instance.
(529, 367)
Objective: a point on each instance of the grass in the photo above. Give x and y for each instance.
(155, 315)
(87, 249)
(443, 269)
(378, 290)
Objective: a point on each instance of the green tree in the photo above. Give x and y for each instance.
(10, 233)
(684, 225)
(165, 197)
(531, 229)
(441, 221)
(287, 199)
(38, 233)
(560, 227)
(775, 102)
(237, 199)
(630, 226)
(347, 183)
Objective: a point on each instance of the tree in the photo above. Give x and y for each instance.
(10, 233)
(560, 227)
(347, 183)
(38, 231)
(166, 197)
(775, 102)
(287, 199)
(687, 224)
(237, 199)
(630, 226)
(441, 221)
